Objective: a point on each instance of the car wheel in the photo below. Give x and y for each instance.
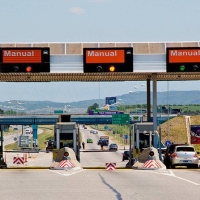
(172, 166)
(196, 166)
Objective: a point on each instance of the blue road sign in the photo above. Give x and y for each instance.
(126, 137)
(167, 143)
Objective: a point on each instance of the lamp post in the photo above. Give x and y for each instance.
(136, 87)
(168, 125)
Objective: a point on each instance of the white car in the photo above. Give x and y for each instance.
(184, 156)
(28, 131)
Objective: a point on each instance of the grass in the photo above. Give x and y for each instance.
(173, 130)
(48, 133)
(11, 131)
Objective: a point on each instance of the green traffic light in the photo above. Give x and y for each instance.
(182, 68)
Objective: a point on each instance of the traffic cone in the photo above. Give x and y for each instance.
(25, 157)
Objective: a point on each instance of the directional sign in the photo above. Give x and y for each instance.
(120, 119)
(167, 143)
(58, 111)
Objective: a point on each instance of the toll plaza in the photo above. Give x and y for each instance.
(95, 62)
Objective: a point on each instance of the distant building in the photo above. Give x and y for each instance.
(171, 110)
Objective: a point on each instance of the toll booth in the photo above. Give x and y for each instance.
(143, 135)
(67, 135)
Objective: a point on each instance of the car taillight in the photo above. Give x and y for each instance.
(175, 155)
(196, 155)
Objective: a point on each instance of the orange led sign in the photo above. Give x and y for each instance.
(110, 59)
(105, 56)
(184, 55)
(24, 59)
(21, 56)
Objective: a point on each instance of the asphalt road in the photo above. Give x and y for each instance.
(99, 159)
(99, 184)
(77, 183)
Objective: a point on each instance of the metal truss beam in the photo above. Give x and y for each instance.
(96, 77)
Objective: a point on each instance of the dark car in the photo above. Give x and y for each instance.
(103, 142)
(70, 145)
(126, 155)
(50, 145)
(113, 147)
(169, 151)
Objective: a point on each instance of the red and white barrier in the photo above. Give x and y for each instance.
(18, 160)
(65, 163)
(152, 164)
(110, 166)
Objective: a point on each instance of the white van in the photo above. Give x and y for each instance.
(28, 131)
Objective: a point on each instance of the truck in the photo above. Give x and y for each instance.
(23, 141)
(103, 140)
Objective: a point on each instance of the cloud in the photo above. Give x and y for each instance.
(76, 10)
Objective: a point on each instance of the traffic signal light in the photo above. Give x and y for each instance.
(24, 60)
(183, 59)
(96, 60)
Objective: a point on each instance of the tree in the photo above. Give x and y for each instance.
(11, 112)
(94, 106)
(1, 111)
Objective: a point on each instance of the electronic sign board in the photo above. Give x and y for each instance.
(97, 60)
(183, 59)
(24, 59)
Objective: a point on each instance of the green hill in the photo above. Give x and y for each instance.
(175, 130)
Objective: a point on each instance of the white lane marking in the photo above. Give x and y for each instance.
(68, 173)
(172, 174)
(186, 180)
(169, 172)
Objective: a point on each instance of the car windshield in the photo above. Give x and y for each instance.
(185, 149)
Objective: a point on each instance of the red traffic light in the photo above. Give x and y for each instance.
(28, 69)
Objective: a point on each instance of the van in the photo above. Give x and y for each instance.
(28, 131)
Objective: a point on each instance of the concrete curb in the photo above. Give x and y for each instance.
(104, 168)
(38, 167)
(26, 167)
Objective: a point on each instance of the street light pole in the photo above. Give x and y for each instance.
(136, 87)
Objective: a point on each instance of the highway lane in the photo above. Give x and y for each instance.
(98, 159)
(99, 184)
(9, 138)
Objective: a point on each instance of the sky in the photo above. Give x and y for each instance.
(95, 21)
